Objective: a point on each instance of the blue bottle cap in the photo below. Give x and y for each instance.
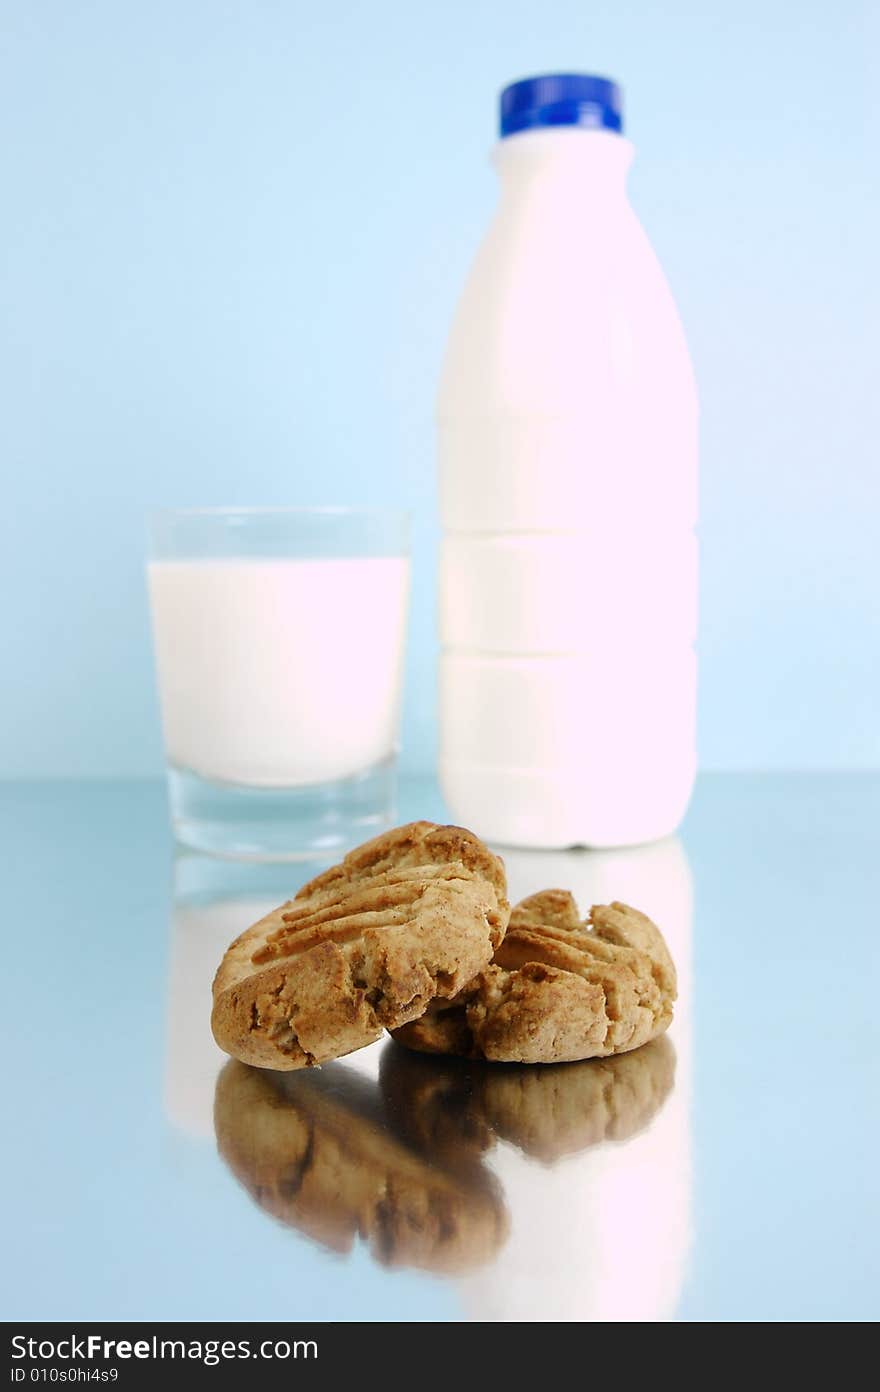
(561, 99)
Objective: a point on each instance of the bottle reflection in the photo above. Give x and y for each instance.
(213, 900)
(604, 1235)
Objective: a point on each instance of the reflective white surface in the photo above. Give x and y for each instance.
(727, 1174)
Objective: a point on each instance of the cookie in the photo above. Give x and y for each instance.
(407, 918)
(457, 1109)
(314, 1152)
(558, 990)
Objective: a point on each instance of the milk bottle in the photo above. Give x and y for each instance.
(567, 442)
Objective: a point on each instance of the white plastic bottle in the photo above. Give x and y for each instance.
(567, 419)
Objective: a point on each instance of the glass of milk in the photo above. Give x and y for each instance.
(279, 640)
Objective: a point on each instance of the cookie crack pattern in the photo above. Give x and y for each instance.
(346, 918)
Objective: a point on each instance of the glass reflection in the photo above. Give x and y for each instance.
(213, 900)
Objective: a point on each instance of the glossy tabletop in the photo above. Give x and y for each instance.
(728, 1172)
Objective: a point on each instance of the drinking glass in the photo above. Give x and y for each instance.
(279, 641)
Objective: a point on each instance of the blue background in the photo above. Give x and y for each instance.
(233, 236)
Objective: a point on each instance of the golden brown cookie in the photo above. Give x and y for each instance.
(455, 1109)
(313, 1151)
(411, 916)
(558, 989)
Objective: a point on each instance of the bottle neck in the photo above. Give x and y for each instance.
(564, 156)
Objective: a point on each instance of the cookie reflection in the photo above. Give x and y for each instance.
(401, 1165)
(456, 1110)
(313, 1151)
